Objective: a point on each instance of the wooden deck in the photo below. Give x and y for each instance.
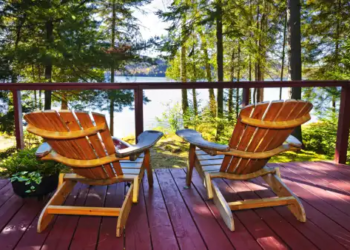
(171, 217)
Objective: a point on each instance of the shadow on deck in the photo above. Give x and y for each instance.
(171, 217)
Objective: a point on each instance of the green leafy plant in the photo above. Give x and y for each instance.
(24, 166)
(29, 178)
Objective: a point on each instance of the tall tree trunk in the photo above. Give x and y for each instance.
(336, 51)
(261, 59)
(40, 100)
(212, 102)
(238, 77)
(220, 64)
(194, 94)
(295, 52)
(283, 50)
(64, 100)
(230, 91)
(183, 75)
(111, 94)
(48, 64)
(35, 100)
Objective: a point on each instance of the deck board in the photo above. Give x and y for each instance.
(168, 216)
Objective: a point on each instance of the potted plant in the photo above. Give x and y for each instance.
(31, 177)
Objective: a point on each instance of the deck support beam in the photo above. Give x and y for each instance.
(17, 107)
(343, 127)
(138, 99)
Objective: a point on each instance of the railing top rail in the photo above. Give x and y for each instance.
(171, 85)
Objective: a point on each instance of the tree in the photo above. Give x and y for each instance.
(294, 33)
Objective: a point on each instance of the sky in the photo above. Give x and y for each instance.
(150, 24)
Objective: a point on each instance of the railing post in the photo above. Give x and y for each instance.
(343, 126)
(17, 106)
(138, 95)
(245, 101)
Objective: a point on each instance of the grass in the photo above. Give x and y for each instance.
(172, 152)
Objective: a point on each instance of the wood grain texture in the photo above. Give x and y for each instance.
(150, 223)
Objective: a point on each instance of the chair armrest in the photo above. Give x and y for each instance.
(294, 142)
(43, 149)
(146, 140)
(196, 139)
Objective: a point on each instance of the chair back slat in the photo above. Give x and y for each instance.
(246, 134)
(83, 148)
(274, 138)
(86, 122)
(50, 121)
(236, 136)
(69, 119)
(107, 140)
(259, 139)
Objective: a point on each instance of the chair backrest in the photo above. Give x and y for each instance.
(263, 127)
(89, 147)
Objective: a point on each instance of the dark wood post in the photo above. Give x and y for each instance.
(343, 127)
(17, 106)
(138, 95)
(245, 101)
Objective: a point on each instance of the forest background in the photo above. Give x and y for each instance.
(215, 40)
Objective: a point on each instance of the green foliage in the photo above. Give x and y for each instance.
(26, 161)
(29, 178)
(321, 136)
(173, 119)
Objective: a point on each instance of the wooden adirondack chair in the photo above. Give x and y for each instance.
(86, 145)
(262, 131)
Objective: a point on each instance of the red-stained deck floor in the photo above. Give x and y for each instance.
(171, 217)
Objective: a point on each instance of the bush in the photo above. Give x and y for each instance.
(321, 136)
(23, 166)
(172, 119)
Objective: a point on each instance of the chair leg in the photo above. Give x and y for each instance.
(191, 162)
(208, 185)
(124, 212)
(277, 185)
(223, 207)
(57, 199)
(147, 165)
(135, 193)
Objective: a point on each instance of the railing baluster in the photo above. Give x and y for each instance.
(138, 95)
(17, 106)
(343, 127)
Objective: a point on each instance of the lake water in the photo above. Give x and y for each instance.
(125, 121)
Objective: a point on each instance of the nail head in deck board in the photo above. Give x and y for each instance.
(240, 238)
(258, 228)
(310, 231)
(107, 240)
(185, 229)
(161, 229)
(86, 233)
(209, 228)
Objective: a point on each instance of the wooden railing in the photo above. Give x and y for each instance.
(344, 111)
